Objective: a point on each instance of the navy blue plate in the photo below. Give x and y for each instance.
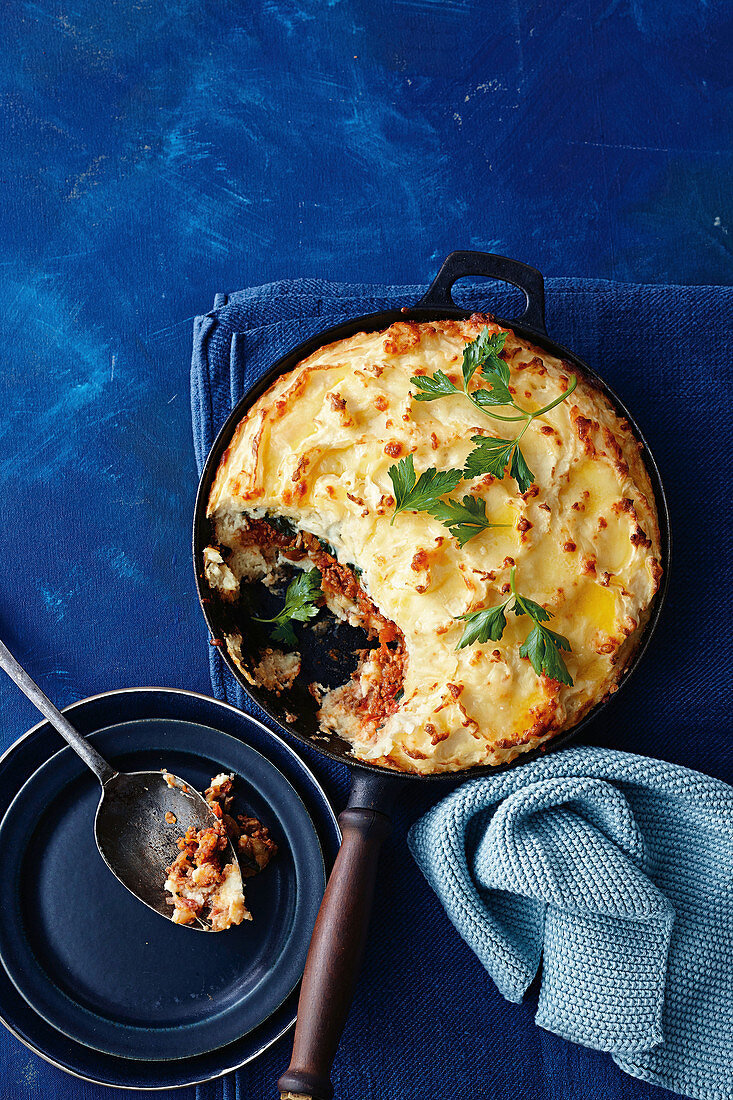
(108, 972)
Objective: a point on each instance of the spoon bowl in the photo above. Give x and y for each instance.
(138, 843)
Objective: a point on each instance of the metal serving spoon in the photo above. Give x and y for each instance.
(130, 828)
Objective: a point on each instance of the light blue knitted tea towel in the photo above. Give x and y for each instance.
(616, 871)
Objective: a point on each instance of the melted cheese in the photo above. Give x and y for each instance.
(317, 448)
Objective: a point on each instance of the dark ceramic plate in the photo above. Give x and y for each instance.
(131, 990)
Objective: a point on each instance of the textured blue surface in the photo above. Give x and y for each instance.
(153, 154)
(612, 871)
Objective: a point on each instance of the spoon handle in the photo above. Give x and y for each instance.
(79, 744)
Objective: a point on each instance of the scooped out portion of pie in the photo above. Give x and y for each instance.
(200, 882)
(476, 505)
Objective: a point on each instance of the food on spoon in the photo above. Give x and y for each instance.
(200, 883)
(471, 501)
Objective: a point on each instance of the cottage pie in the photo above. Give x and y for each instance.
(200, 883)
(309, 480)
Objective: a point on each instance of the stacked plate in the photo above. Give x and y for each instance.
(91, 979)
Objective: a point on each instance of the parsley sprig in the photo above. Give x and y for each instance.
(493, 456)
(542, 646)
(300, 605)
(465, 518)
(420, 494)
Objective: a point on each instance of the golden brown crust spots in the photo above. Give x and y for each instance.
(547, 429)
(533, 491)
(386, 501)
(376, 369)
(639, 538)
(569, 547)
(420, 561)
(621, 506)
(401, 336)
(578, 506)
(544, 714)
(612, 444)
(506, 587)
(605, 579)
(415, 754)
(301, 489)
(509, 563)
(656, 571)
(434, 441)
(436, 736)
(455, 689)
(300, 468)
(604, 648)
(496, 654)
(602, 523)
(523, 525)
(616, 452)
(583, 428)
(393, 448)
(589, 566)
(381, 403)
(544, 507)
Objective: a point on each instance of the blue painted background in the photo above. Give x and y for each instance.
(152, 154)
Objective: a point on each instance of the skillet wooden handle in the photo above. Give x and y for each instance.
(335, 954)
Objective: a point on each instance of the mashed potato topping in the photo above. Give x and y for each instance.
(316, 448)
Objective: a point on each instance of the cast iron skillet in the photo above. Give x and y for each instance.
(340, 931)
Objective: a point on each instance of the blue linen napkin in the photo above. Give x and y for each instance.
(617, 872)
(667, 350)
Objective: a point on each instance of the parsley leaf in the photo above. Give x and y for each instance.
(300, 605)
(465, 518)
(524, 606)
(419, 495)
(489, 456)
(484, 625)
(492, 456)
(543, 646)
(484, 349)
(520, 471)
(439, 385)
(498, 394)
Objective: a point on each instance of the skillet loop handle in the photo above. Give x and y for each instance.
(335, 955)
(460, 264)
